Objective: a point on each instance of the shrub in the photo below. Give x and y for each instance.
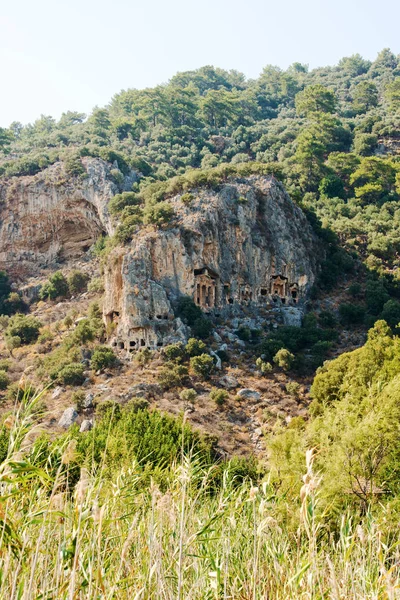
(265, 367)
(14, 303)
(77, 282)
(96, 284)
(159, 214)
(187, 198)
(391, 313)
(284, 359)
(327, 319)
(82, 333)
(56, 287)
(72, 374)
(188, 310)
(202, 365)
(202, 327)
(103, 357)
(244, 333)
(355, 290)
(4, 380)
(13, 342)
(174, 352)
(78, 398)
(293, 388)
(188, 395)
(195, 347)
(351, 314)
(21, 391)
(143, 356)
(45, 336)
(24, 327)
(172, 375)
(219, 396)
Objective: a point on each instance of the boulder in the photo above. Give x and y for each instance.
(228, 382)
(68, 418)
(248, 394)
(86, 425)
(88, 401)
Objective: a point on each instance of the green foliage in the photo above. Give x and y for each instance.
(103, 357)
(188, 395)
(174, 352)
(265, 367)
(219, 396)
(71, 374)
(202, 365)
(4, 380)
(24, 327)
(56, 287)
(77, 282)
(284, 359)
(172, 375)
(195, 347)
(314, 99)
(351, 314)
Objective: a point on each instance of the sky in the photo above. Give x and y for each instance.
(59, 55)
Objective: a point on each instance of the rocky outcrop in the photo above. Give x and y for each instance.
(246, 245)
(51, 216)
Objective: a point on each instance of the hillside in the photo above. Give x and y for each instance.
(199, 321)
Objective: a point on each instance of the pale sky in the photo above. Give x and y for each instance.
(59, 55)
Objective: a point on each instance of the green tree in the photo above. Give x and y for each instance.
(314, 99)
(365, 96)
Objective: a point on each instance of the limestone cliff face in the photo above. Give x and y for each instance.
(52, 216)
(247, 245)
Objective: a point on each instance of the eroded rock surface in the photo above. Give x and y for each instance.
(53, 216)
(246, 245)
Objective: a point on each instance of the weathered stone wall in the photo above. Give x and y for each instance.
(52, 216)
(245, 245)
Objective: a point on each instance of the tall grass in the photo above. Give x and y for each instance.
(125, 539)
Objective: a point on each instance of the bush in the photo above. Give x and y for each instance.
(293, 388)
(21, 391)
(72, 374)
(77, 282)
(4, 380)
(96, 284)
(351, 314)
(82, 333)
(187, 198)
(202, 365)
(265, 367)
(159, 214)
(143, 356)
(78, 398)
(219, 396)
(188, 310)
(195, 347)
(23, 327)
(56, 287)
(174, 352)
(103, 357)
(284, 359)
(172, 375)
(188, 395)
(202, 327)
(14, 303)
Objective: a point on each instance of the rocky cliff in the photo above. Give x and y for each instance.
(246, 246)
(52, 216)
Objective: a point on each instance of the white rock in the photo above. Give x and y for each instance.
(68, 418)
(249, 394)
